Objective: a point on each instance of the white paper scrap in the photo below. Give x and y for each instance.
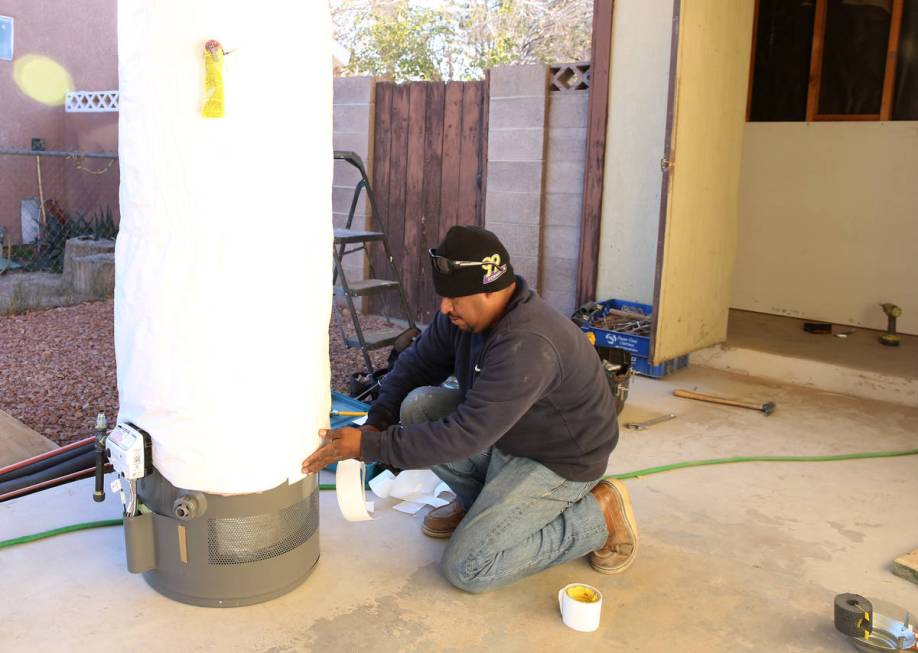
(381, 484)
(414, 482)
(371, 507)
(408, 507)
(349, 479)
(436, 502)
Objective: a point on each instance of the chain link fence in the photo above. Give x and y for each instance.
(47, 197)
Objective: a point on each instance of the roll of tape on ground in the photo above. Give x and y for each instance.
(853, 615)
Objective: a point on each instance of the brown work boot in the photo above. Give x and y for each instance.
(441, 522)
(621, 547)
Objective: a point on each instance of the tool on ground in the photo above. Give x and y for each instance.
(853, 615)
(891, 338)
(869, 630)
(817, 327)
(767, 408)
(347, 413)
(640, 426)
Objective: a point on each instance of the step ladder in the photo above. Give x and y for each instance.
(351, 241)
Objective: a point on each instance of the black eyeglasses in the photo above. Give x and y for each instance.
(445, 265)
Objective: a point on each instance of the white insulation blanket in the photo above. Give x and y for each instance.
(223, 276)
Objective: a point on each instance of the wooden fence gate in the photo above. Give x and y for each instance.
(429, 159)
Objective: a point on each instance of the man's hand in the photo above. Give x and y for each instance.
(340, 444)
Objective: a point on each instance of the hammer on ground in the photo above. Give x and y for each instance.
(767, 408)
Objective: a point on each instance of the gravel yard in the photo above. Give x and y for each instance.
(57, 367)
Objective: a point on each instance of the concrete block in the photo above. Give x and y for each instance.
(562, 242)
(515, 81)
(342, 196)
(564, 176)
(352, 118)
(32, 291)
(515, 176)
(515, 208)
(354, 90)
(566, 144)
(516, 144)
(354, 271)
(94, 275)
(527, 267)
(339, 220)
(568, 109)
(520, 240)
(516, 112)
(345, 174)
(563, 208)
(559, 273)
(562, 301)
(79, 247)
(353, 142)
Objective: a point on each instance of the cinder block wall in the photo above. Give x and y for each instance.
(536, 151)
(353, 130)
(564, 169)
(516, 163)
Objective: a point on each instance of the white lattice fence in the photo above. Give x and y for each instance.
(91, 102)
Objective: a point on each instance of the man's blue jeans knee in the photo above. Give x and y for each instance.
(522, 517)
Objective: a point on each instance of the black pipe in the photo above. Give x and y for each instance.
(99, 494)
(47, 485)
(75, 464)
(41, 465)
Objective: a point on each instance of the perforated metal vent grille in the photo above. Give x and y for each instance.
(239, 540)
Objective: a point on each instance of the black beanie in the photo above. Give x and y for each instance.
(464, 243)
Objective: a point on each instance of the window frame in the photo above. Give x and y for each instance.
(816, 57)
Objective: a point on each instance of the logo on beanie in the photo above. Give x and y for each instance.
(493, 269)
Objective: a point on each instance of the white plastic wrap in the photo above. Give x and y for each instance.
(223, 276)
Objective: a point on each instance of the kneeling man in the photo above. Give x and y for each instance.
(523, 442)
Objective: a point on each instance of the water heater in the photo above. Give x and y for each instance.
(223, 292)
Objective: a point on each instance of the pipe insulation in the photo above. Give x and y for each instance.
(223, 260)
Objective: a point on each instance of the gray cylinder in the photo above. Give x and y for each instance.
(228, 551)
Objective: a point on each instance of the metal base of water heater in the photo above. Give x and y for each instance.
(224, 551)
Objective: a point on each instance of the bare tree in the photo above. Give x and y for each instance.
(459, 39)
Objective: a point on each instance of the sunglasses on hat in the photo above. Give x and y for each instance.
(445, 265)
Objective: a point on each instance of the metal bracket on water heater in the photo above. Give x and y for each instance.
(130, 451)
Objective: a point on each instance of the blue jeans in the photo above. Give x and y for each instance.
(522, 517)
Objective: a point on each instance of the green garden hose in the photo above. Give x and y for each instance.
(762, 459)
(624, 475)
(59, 531)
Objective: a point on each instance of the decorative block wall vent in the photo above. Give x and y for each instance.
(567, 77)
(91, 102)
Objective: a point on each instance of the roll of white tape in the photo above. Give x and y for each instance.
(581, 606)
(349, 479)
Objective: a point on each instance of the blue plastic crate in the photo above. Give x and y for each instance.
(343, 402)
(637, 346)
